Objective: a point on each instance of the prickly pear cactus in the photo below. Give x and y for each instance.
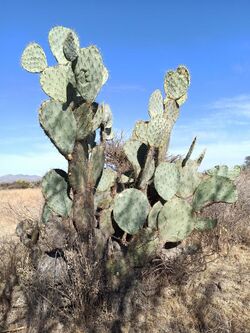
(156, 201)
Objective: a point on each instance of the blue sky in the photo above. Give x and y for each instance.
(139, 41)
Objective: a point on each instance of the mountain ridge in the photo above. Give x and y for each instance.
(10, 178)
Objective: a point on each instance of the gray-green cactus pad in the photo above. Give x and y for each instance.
(203, 224)
(140, 132)
(97, 163)
(182, 100)
(46, 214)
(55, 80)
(175, 221)
(33, 58)
(171, 111)
(131, 149)
(147, 175)
(105, 75)
(55, 190)
(157, 128)
(57, 36)
(183, 70)
(176, 83)
(166, 180)
(59, 125)
(98, 117)
(153, 215)
(190, 178)
(89, 72)
(107, 180)
(155, 105)
(107, 120)
(70, 47)
(214, 189)
(131, 208)
(225, 171)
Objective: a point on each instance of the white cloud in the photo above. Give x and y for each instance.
(237, 106)
(224, 131)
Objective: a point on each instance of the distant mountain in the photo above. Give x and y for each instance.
(14, 178)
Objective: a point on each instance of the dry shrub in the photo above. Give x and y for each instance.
(202, 288)
(13, 256)
(115, 156)
(233, 220)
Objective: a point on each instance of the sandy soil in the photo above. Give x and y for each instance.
(16, 205)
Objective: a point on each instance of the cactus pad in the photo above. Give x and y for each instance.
(153, 215)
(107, 180)
(55, 81)
(89, 72)
(155, 105)
(176, 83)
(171, 111)
(224, 171)
(166, 180)
(182, 70)
(182, 100)
(214, 189)
(57, 36)
(96, 163)
(70, 47)
(59, 125)
(46, 214)
(55, 190)
(105, 75)
(131, 149)
(148, 172)
(33, 58)
(157, 128)
(203, 224)
(175, 221)
(131, 208)
(98, 117)
(189, 180)
(140, 131)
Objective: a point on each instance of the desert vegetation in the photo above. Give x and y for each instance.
(129, 239)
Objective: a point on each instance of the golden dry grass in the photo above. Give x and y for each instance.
(18, 204)
(214, 299)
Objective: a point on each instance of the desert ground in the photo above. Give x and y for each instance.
(18, 204)
(211, 294)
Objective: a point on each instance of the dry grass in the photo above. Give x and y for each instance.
(205, 292)
(18, 204)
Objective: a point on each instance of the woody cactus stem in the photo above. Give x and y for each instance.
(83, 209)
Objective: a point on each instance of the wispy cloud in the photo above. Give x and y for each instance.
(237, 106)
(223, 130)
